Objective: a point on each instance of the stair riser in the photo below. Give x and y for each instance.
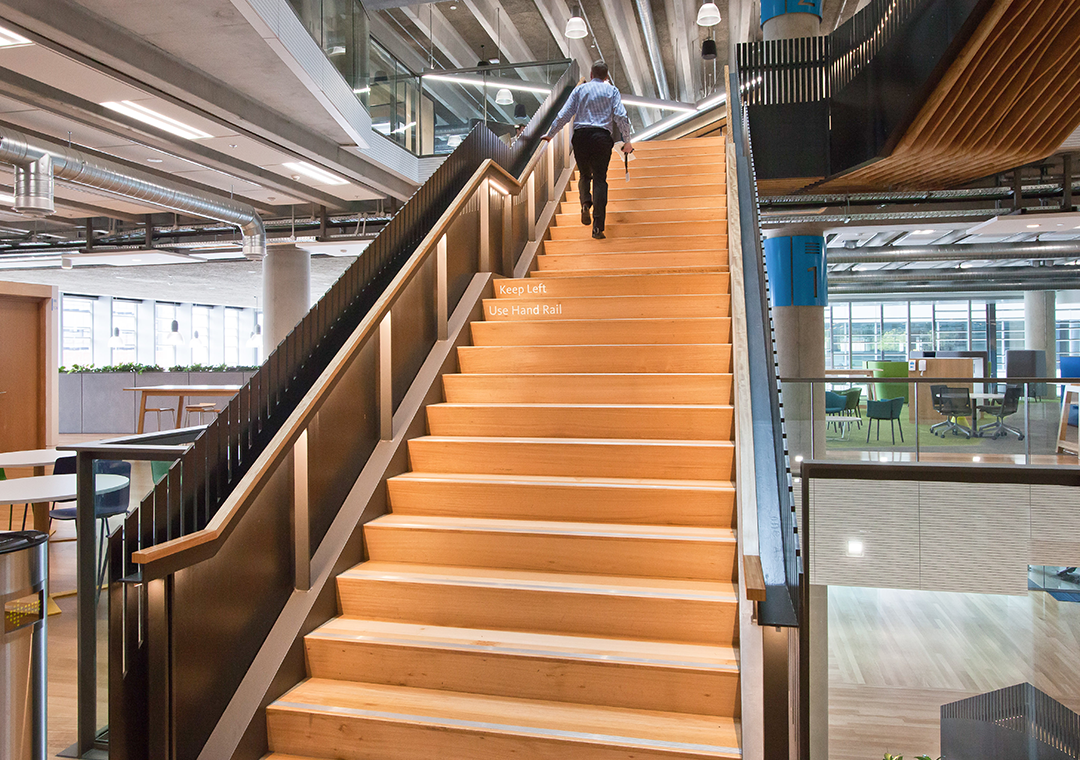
(611, 307)
(594, 358)
(650, 285)
(602, 332)
(625, 271)
(508, 674)
(671, 188)
(601, 460)
(709, 163)
(645, 203)
(615, 245)
(691, 423)
(619, 232)
(678, 216)
(602, 503)
(585, 389)
(686, 621)
(359, 737)
(614, 263)
(589, 555)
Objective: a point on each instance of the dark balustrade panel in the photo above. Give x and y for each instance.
(414, 327)
(495, 229)
(462, 251)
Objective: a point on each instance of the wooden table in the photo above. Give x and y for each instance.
(38, 459)
(180, 392)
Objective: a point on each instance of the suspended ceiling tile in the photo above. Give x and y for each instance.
(65, 74)
(246, 149)
(57, 126)
(1016, 224)
(182, 115)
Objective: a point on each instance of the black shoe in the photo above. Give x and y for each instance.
(586, 217)
(597, 234)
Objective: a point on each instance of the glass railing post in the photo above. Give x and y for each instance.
(913, 404)
(1027, 423)
(813, 423)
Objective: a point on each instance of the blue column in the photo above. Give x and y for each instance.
(770, 9)
(796, 267)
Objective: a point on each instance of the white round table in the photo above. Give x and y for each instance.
(46, 488)
(33, 457)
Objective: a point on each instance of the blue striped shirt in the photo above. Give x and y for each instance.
(595, 104)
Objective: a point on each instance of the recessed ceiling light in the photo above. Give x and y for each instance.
(10, 39)
(232, 145)
(1033, 226)
(153, 160)
(315, 173)
(153, 118)
(924, 232)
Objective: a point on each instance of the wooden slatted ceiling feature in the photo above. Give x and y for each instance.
(1010, 98)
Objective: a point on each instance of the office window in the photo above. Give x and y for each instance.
(894, 332)
(838, 333)
(922, 327)
(77, 330)
(1010, 327)
(232, 336)
(164, 344)
(200, 334)
(123, 338)
(978, 326)
(952, 325)
(865, 333)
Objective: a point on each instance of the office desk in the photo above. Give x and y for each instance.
(179, 392)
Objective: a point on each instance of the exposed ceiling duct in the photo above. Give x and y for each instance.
(992, 252)
(34, 179)
(984, 279)
(879, 288)
(652, 44)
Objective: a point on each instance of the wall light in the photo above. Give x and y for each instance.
(855, 547)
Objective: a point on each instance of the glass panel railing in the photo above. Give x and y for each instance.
(934, 420)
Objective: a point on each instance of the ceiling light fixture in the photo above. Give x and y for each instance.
(453, 141)
(490, 81)
(115, 341)
(153, 118)
(196, 341)
(575, 27)
(174, 338)
(708, 14)
(10, 39)
(708, 50)
(503, 97)
(255, 341)
(1034, 226)
(315, 173)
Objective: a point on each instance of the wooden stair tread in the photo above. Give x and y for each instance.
(604, 585)
(598, 442)
(631, 270)
(709, 736)
(551, 645)
(653, 284)
(663, 532)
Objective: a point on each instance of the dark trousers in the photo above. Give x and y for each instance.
(592, 151)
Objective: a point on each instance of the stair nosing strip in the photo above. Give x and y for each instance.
(504, 728)
(555, 532)
(436, 580)
(546, 653)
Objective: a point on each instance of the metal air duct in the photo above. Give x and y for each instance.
(988, 252)
(34, 186)
(1043, 275)
(652, 43)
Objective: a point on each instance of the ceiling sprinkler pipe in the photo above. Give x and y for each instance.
(957, 276)
(989, 252)
(652, 43)
(81, 168)
(914, 289)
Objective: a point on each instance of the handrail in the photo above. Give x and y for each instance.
(197, 546)
(775, 516)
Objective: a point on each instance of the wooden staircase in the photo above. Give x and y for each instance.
(555, 580)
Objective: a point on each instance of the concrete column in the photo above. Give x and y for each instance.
(798, 292)
(1040, 329)
(789, 19)
(286, 292)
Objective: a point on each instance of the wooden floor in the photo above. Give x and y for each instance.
(896, 656)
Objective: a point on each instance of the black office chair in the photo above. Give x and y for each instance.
(1008, 406)
(106, 505)
(935, 400)
(955, 403)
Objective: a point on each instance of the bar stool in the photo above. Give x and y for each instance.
(158, 412)
(206, 407)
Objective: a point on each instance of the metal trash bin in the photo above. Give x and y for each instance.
(23, 589)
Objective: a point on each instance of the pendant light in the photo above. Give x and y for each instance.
(708, 14)
(116, 341)
(520, 112)
(503, 97)
(708, 49)
(196, 341)
(483, 61)
(255, 341)
(575, 27)
(175, 339)
(453, 141)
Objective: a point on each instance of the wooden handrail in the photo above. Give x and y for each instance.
(206, 541)
(753, 577)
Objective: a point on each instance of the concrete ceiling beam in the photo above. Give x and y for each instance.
(555, 14)
(500, 26)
